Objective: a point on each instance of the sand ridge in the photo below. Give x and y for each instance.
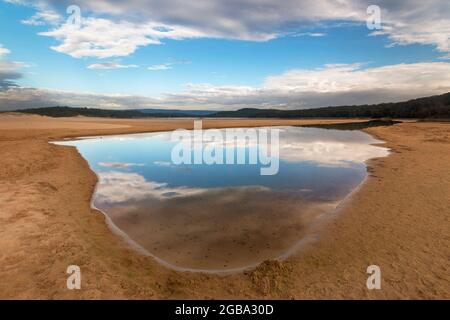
(399, 220)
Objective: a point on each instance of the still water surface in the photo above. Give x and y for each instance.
(223, 217)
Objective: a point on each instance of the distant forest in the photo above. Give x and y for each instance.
(436, 107)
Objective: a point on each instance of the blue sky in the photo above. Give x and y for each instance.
(204, 64)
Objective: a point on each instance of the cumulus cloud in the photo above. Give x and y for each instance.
(341, 84)
(111, 65)
(331, 85)
(417, 22)
(403, 21)
(103, 38)
(352, 77)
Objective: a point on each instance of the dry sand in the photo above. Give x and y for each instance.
(399, 219)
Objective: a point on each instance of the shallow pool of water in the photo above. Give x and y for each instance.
(221, 216)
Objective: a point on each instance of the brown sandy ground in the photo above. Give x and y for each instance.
(399, 220)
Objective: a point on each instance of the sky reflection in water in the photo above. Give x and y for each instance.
(222, 217)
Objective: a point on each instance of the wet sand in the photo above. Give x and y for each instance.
(219, 230)
(399, 219)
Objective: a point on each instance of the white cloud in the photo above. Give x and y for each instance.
(103, 38)
(3, 51)
(111, 65)
(417, 22)
(43, 17)
(331, 85)
(404, 21)
(352, 77)
(255, 20)
(295, 89)
(159, 67)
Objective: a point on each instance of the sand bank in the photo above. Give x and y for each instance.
(399, 220)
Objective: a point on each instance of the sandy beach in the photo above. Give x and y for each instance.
(399, 219)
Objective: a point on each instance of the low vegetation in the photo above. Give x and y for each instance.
(434, 107)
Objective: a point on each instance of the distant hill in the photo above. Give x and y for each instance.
(64, 111)
(88, 112)
(172, 112)
(428, 107)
